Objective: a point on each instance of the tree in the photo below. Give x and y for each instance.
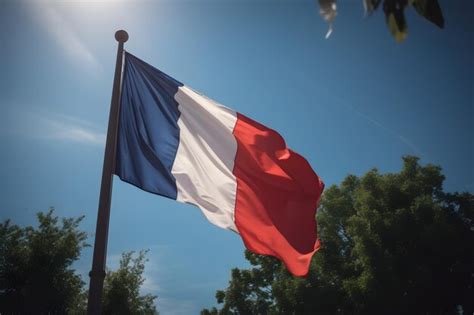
(394, 13)
(392, 243)
(35, 266)
(36, 274)
(122, 288)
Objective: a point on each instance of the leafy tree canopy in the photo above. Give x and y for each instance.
(36, 274)
(122, 288)
(35, 266)
(392, 243)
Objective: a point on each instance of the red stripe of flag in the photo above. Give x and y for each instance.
(277, 197)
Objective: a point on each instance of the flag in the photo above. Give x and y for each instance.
(177, 143)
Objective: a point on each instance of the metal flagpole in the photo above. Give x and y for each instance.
(97, 273)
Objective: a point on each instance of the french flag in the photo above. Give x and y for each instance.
(177, 143)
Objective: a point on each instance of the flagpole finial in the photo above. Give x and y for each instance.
(121, 36)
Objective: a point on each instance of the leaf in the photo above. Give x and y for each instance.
(395, 15)
(399, 33)
(328, 10)
(430, 10)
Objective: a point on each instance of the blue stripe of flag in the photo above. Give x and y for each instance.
(148, 133)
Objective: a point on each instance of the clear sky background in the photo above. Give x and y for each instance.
(355, 101)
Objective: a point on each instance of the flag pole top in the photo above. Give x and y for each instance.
(121, 36)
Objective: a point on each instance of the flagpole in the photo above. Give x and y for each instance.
(97, 273)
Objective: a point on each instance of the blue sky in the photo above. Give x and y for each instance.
(355, 101)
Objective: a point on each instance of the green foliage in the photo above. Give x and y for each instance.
(394, 13)
(35, 266)
(391, 244)
(122, 288)
(36, 275)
